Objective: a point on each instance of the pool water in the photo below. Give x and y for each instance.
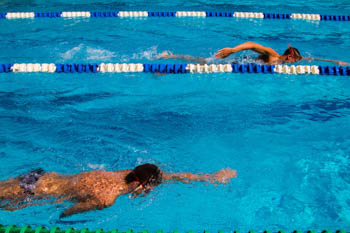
(287, 136)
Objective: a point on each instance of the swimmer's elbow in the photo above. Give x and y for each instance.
(250, 44)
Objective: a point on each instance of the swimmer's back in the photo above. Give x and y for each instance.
(81, 184)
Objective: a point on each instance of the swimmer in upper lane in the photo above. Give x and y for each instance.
(92, 190)
(266, 55)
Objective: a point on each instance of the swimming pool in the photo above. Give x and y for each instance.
(287, 136)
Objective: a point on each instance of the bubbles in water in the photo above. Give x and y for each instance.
(70, 53)
(91, 54)
(149, 54)
(86, 53)
(99, 54)
(134, 149)
(96, 166)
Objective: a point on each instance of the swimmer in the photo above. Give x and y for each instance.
(267, 55)
(93, 190)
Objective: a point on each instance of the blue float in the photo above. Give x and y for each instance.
(257, 68)
(235, 68)
(162, 68)
(169, 68)
(146, 68)
(177, 68)
(243, 68)
(250, 68)
(59, 68)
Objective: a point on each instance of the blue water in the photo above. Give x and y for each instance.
(287, 136)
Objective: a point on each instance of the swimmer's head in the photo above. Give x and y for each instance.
(147, 175)
(291, 55)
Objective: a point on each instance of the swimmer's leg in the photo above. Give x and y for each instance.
(169, 55)
(12, 205)
(21, 186)
(11, 190)
(82, 206)
(11, 194)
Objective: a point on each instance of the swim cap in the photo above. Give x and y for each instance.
(145, 174)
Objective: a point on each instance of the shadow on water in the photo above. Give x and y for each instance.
(69, 222)
(319, 110)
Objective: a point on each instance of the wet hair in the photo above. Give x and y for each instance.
(147, 174)
(294, 52)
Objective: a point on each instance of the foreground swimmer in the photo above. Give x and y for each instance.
(92, 190)
(267, 55)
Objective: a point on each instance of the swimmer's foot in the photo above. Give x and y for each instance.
(165, 55)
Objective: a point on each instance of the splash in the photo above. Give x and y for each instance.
(99, 54)
(71, 53)
(135, 150)
(96, 166)
(149, 54)
(88, 54)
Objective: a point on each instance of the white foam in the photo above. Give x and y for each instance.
(149, 54)
(136, 150)
(71, 53)
(86, 53)
(99, 54)
(96, 166)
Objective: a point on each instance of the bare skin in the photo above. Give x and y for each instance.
(169, 55)
(92, 190)
(267, 55)
(341, 63)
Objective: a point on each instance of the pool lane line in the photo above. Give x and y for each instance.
(173, 68)
(203, 14)
(42, 229)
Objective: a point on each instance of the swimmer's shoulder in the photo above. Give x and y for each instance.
(273, 60)
(100, 176)
(87, 177)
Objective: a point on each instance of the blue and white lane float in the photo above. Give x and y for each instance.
(173, 68)
(203, 14)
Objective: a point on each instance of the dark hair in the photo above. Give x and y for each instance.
(146, 174)
(292, 51)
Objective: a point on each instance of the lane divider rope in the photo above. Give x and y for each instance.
(42, 229)
(123, 14)
(173, 68)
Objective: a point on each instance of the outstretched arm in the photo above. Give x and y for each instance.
(341, 63)
(169, 55)
(222, 176)
(225, 52)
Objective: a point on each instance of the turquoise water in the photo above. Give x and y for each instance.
(287, 136)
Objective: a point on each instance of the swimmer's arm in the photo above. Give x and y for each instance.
(222, 176)
(89, 204)
(183, 57)
(80, 207)
(341, 63)
(225, 52)
(185, 177)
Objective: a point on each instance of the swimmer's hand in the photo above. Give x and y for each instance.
(224, 175)
(308, 59)
(225, 52)
(165, 55)
(341, 63)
